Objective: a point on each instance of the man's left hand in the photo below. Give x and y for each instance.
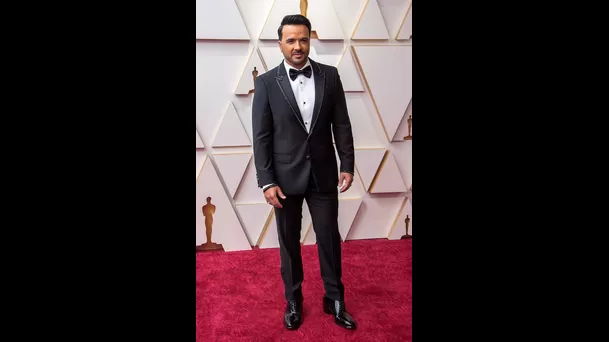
(344, 181)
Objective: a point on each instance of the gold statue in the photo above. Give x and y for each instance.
(304, 8)
(254, 75)
(407, 221)
(304, 5)
(208, 211)
(409, 136)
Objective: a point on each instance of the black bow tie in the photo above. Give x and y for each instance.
(306, 72)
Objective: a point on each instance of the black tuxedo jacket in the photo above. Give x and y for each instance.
(284, 153)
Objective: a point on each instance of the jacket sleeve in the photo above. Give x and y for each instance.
(262, 133)
(341, 127)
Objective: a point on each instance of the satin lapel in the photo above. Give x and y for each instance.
(286, 89)
(320, 86)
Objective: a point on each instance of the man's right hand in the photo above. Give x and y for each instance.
(271, 194)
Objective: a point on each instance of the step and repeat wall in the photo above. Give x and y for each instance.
(370, 42)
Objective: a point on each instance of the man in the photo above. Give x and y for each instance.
(297, 107)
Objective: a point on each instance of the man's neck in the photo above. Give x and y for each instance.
(297, 66)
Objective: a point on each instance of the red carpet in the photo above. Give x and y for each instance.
(240, 295)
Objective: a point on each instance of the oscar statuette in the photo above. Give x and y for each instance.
(209, 210)
(409, 136)
(406, 236)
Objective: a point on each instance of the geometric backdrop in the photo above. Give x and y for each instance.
(370, 42)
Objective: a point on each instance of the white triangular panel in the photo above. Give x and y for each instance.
(280, 9)
(246, 83)
(254, 13)
(402, 131)
(326, 52)
(348, 73)
(272, 56)
(406, 29)
(347, 210)
(376, 216)
(219, 20)
(389, 79)
(402, 152)
(226, 229)
(254, 217)
(199, 141)
(367, 129)
(310, 238)
(399, 229)
(389, 178)
(201, 155)
(348, 13)
(393, 12)
(324, 20)
(248, 191)
(231, 131)
(371, 24)
(367, 162)
(271, 239)
(232, 167)
(357, 188)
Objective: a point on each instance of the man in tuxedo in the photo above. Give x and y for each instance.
(297, 107)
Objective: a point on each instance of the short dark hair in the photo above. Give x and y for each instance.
(293, 19)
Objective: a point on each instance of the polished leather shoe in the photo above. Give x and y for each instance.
(293, 315)
(337, 308)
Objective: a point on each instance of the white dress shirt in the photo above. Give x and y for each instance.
(304, 92)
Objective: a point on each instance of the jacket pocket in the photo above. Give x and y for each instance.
(282, 158)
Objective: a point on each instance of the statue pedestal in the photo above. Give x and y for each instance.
(211, 246)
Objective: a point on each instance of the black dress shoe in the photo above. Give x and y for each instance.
(337, 308)
(293, 315)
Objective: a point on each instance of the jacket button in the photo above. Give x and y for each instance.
(308, 156)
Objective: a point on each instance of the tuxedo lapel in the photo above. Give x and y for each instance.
(286, 89)
(320, 85)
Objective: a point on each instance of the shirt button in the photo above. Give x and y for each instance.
(304, 103)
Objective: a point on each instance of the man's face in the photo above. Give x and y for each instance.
(294, 45)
